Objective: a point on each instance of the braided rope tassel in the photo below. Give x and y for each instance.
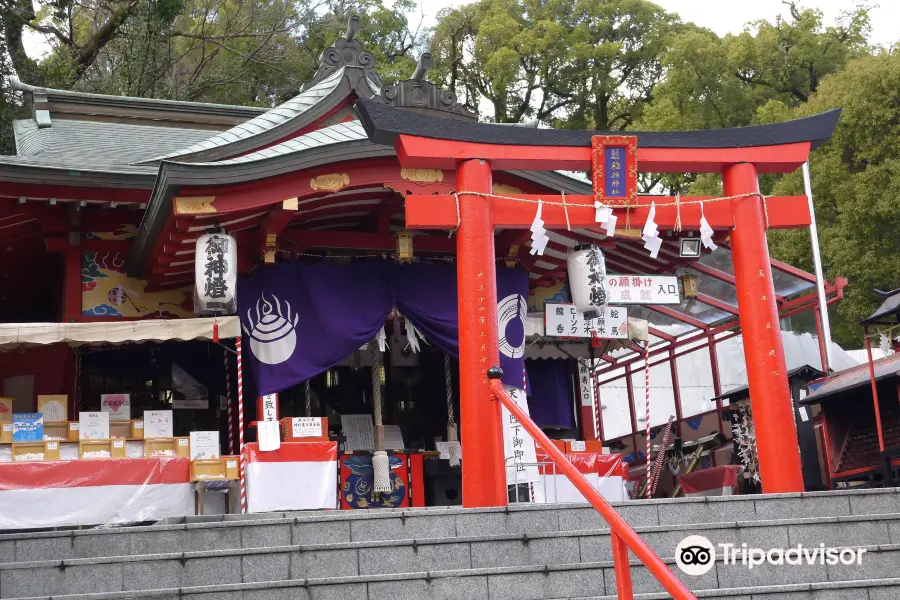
(381, 469)
(308, 399)
(240, 393)
(658, 463)
(452, 430)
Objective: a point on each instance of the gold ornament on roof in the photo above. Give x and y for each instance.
(422, 175)
(331, 182)
(194, 206)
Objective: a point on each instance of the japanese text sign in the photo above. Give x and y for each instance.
(614, 162)
(643, 289)
(564, 320)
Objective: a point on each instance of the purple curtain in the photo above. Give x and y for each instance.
(299, 320)
(426, 294)
(551, 400)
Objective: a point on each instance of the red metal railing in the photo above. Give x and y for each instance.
(623, 537)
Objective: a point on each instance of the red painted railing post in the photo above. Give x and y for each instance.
(622, 568)
(623, 534)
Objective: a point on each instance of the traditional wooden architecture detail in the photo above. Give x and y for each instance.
(331, 182)
(199, 205)
(346, 52)
(418, 94)
(422, 175)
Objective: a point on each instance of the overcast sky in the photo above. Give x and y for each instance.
(729, 16)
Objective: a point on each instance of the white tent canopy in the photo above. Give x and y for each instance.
(17, 335)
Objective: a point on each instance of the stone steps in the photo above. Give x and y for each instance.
(373, 558)
(286, 529)
(522, 553)
(576, 581)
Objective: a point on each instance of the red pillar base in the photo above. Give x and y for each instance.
(773, 411)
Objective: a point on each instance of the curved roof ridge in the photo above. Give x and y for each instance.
(270, 119)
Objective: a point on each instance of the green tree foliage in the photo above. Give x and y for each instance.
(583, 64)
(856, 187)
(226, 51)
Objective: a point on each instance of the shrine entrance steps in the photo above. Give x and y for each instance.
(530, 553)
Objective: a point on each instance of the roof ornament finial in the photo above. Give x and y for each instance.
(425, 62)
(352, 28)
(417, 93)
(348, 54)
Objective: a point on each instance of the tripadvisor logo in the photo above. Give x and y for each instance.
(695, 555)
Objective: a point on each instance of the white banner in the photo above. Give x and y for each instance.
(518, 447)
(642, 289)
(564, 320)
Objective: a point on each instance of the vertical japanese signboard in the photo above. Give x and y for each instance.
(521, 458)
(215, 271)
(614, 162)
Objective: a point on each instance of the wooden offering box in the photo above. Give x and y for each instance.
(304, 429)
(132, 430)
(115, 448)
(48, 450)
(180, 446)
(57, 430)
(224, 468)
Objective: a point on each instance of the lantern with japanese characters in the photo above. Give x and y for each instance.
(587, 279)
(215, 269)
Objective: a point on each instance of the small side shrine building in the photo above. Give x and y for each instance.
(329, 195)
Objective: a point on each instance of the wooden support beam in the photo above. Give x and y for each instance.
(440, 212)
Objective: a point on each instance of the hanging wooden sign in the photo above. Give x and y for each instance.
(614, 165)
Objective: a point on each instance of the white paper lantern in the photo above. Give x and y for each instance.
(215, 271)
(587, 279)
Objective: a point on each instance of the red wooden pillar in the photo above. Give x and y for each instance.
(483, 469)
(770, 398)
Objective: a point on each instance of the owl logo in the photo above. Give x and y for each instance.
(272, 333)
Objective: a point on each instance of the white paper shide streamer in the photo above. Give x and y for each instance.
(604, 215)
(539, 236)
(650, 233)
(706, 232)
(587, 279)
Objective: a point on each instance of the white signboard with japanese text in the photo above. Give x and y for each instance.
(642, 289)
(270, 403)
(117, 405)
(306, 427)
(564, 320)
(93, 425)
(158, 424)
(358, 431)
(204, 444)
(518, 447)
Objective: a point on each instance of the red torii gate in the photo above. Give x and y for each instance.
(740, 155)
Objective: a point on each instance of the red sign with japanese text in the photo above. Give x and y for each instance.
(614, 161)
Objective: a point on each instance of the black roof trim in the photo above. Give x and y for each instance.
(384, 123)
